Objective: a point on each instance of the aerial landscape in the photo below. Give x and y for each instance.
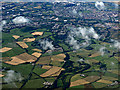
(60, 45)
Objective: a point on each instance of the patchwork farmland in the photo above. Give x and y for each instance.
(59, 45)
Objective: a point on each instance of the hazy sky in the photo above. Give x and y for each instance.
(53, 0)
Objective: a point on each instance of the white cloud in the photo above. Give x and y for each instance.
(45, 44)
(74, 11)
(87, 33)
(81, 32)
(20, 20)
(102, 50)
(2, 23)
(74, 43)
(81, 60)
(116, 43)
(11, 77)
(99, 5)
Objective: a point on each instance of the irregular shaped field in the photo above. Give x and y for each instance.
(79, 82)
(22, 58)
(22, 44)
(92, 78)
(109, 78)
(44, 60)
(5, 49)
(37, 33)
(36, 54)
(95, 55)
(16, 36)
(29, 39)
(104, 81)
(15, 61)
(46, 67)
(53, 70)
(37, 50)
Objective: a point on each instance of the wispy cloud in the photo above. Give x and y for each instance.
(81, 32)
(11, 77)
(115, 44)
(102, 51)
(2, 23)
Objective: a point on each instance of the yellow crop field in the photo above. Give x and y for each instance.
(95, 55)
(46, 67)
(36, 54)
(53, 70)
(37, 33)
(15, 61)
(37, 50)
(5, 49)
(59, 57)
(38, 7)
(79, 82)
(16, 36)
(1, 75)
(104, 81)
(22, 44)
(29, 39)
(58, 73)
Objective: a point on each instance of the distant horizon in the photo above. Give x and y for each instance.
(58, 0)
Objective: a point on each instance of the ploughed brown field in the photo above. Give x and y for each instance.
(44, 60)
(22, 58)
(4, 59)
(26, 57)
(92, 78)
